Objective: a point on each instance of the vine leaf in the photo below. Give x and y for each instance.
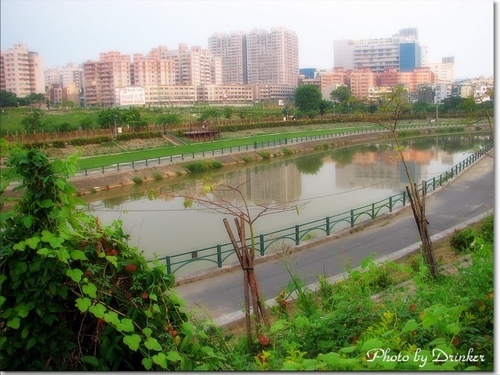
(74, 274)
(132, 341)
(83, 304)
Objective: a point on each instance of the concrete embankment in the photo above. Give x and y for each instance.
(111, 179)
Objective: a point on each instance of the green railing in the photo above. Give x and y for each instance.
(248, 147)
(221, 254)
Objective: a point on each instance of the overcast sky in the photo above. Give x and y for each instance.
(64, 31)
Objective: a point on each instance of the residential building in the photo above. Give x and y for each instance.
(258, 57)
(444, 71)
(102, 77)
(22, 71)
(231, 49)
(361, 81)
(402, 51)
(332, 80)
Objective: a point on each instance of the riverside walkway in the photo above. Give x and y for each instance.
(468, 197)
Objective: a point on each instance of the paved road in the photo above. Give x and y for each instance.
(469, 195)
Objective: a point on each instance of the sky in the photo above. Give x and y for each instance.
(64, 31)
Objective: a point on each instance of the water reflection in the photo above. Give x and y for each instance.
(331, 182)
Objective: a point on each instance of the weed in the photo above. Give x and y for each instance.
(137, 180)
(287, 151)
(157, 176)
(265, 155)
(462, 239)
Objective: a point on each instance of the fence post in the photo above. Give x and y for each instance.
(390, 203)
(297, 235)
(261, 244)
(255, 145)
(102, 169)
(373, 210)
(327, 223)
(169, 264)
(133, 164)
(219, 256)
(352, 218)
(86, 174)
(404, 198)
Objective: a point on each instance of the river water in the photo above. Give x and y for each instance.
(314, 186)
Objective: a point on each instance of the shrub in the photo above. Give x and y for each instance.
(287, 151)
(203, 166)
(137, 180)
(157, 176)
(461, 240)
(75, 296)
(265, 155)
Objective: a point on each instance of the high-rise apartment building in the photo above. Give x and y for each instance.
(68, 80)
(22, 71)
(101, 77)
(444, 71)
(258, 57)
(402, 51)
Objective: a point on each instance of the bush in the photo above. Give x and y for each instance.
(75, 296)
(203, 166)
(462, 240)
(265, 155)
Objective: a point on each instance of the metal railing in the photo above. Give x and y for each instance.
(237, 149)
(220, 254)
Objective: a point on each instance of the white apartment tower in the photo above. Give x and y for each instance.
(402, 51)
(22, 71)
(258, 57)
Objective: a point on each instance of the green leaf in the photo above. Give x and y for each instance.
(411, 325)
(98, 310)
(161, 360)
(78, 255)
(132, 341)
(91, 360)
(75, 275)
(90, 290)
(2, 278)
(28, 221)
(14, 323)
(112, 259)
(46, 203)
(147, 363)
(153, 344)
(174, 356)
(33, 242)
(371, 344)
(31, 342)
(348, 349)
(19, 246)
(331, 358)
(147, 331)
(22, 310)
(126, 325)
(83, 304)
(2, 300)
(453, 328)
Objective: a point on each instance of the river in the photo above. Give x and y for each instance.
(315, 185)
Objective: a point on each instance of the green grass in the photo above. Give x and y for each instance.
(127, 157)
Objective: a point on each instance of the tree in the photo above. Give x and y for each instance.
(421, 108)
(32, 121)
(392, 107)
(341, 95)
(169, 119)
(8, 99)
(308, 100)
(107, 117)
(132, 117)
(230, 200)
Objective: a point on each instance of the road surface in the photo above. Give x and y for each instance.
(465, 197)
